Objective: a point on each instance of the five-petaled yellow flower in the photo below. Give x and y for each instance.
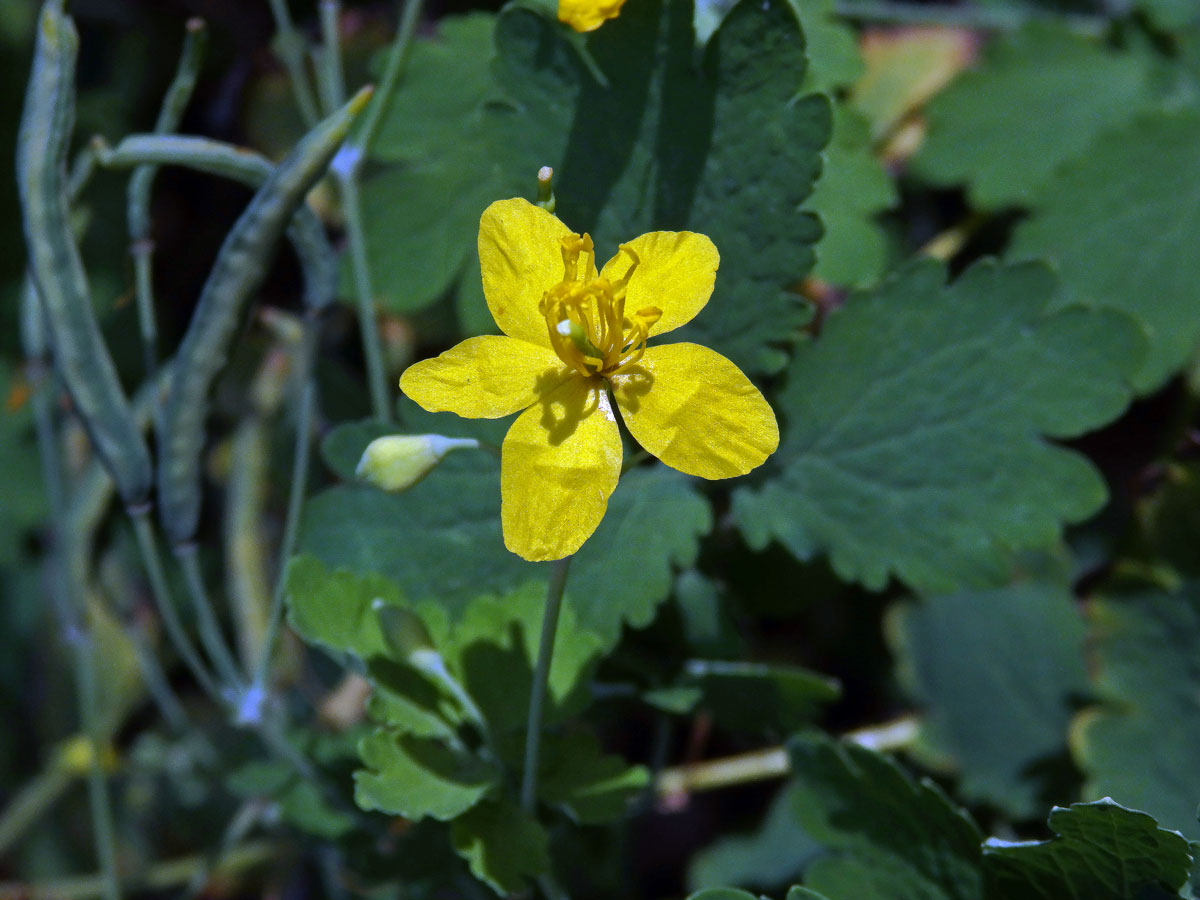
(570, 337)
(588, 15)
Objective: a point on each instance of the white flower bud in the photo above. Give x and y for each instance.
(398, 461)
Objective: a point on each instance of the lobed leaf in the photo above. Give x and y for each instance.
(417, 777)
(886, 836)
(423, 538)
(1140, 745)
(912, 439)
(1101, 851)
(1040, 97)
(995, 672)
(1115, 224)
(503, 845)
(639, 140)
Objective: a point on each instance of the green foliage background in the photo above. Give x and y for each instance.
(943, 643)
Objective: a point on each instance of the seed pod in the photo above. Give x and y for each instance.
(81, 357)
(240, 268)
(318, 262)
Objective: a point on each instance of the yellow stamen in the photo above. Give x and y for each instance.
(585, 317)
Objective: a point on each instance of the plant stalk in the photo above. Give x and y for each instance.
(346, 169)
(541, 679)
(291, 50)
(291, 524)
(210, 629)
(144, 529)
(70, 600)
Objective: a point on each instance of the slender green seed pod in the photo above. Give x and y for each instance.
(318, 261)
(55, 265)
(240, 268)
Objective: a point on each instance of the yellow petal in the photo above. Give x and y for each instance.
(587, 15)
(520, 251)
(560, 463)
(676, 273)
(484, 377)
(696, 411)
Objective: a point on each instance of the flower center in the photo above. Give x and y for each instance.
(586, 318)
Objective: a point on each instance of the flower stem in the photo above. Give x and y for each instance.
(148, 545)
(31, 802)
(291, 522)
(292, 50)
(210, 629)
(541, 677)
(331, 79)
(87, 675)
(364, 297)
(346, 168)
(69, 595)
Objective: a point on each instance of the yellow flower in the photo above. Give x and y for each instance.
(588, 15)
(572, 336)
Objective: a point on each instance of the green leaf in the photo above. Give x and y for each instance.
(440, 540)
(1113, 223)
(763, 158)
(854, 188)
(1101, 851)
(417, 777)
(757, 697)
(910, 444)
(886, 836)
(300, 802)
(1040, 97)
(624, 571)
(772, 856)
(708, 628)
(802, 893)
(337, 609)
(446, 76)
(995, 672)
(409, 701)
(590, 785)
(1142, 745)
(504, 846)
(640, 140)
(494, 646)
(722, 894)
(421, 205)
(675, 700)
(488, 650)
(831, 45)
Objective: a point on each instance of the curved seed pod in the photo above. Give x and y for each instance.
(57, 270)
(240, 268)
(318, 262)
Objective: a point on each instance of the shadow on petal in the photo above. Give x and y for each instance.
(633, 384)
(564, 406)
